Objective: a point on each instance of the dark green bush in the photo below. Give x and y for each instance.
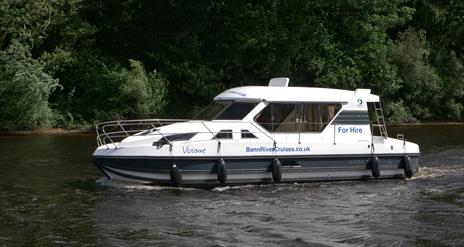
(24, 90)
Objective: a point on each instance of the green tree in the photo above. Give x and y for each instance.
(24, 90)
(443, 22)
(408, 52)
(421, 85)
(140, 94)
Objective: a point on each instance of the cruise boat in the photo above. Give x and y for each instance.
(260, 134)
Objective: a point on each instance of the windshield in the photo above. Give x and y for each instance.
(212, 110)
(225, 110)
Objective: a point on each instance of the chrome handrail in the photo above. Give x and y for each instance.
(264, 133)
(112, 132)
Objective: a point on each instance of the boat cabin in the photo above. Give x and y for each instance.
(279, 108)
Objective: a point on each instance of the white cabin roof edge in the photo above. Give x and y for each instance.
(295, 94)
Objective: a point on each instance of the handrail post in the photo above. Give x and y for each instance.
(103, 129)
(164, 137)
(274, 150)
(335, 133)
(119, 123)
(214, 136)
(372, 139)
(99, 143)
(264, 133)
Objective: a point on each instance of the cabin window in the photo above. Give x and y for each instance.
(224, 134)
(315, 117)
(246, 134)
(307, 117)
(278, 117)
(225, 110)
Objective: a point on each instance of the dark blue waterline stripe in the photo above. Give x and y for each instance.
(129, 176)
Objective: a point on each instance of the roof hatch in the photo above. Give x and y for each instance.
(279, 82)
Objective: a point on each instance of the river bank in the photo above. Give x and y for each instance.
(426, 124)
(47, 131)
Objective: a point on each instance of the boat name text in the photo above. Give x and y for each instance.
(189, 150)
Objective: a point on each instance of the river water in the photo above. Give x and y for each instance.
(51, 195)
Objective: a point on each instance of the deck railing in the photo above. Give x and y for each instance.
(114, 131)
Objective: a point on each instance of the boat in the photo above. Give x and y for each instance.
(259, 135)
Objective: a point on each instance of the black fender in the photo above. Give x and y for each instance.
(407, 167)
(221, 171)
(375, 168)
(276, 171)
(176, 176)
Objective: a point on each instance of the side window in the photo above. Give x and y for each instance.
(247, 134)
(265, 118)
(315, 117)
(224, 134)
(278, 117)
(328, 112)
(309, 118)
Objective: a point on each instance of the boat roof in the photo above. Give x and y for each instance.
(283, 93)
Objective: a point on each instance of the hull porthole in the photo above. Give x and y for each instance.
(276, 171)
(375, 168)
(221, 171)
(407, 166)
(176, 176)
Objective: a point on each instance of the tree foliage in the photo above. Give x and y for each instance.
(24, 90)
(409, 52)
